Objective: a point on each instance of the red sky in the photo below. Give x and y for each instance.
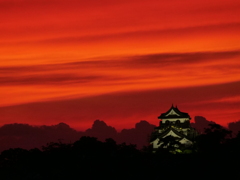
(76, 61)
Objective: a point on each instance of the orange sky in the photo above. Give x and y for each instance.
(76, 61)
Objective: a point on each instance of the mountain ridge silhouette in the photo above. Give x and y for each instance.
(28, 137)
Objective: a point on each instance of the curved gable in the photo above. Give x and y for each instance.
(172, 112)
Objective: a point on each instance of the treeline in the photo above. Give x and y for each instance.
(216, 155)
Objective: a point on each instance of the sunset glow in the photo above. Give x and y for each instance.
(77, 61)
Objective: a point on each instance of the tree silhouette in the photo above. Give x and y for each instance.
(170, 144)
(213, 139)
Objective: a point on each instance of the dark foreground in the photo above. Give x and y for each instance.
(89, 158)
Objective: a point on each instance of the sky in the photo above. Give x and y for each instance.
(76, 61)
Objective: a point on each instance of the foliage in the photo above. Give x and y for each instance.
(214, 139)
(170, 144)
(91, 158)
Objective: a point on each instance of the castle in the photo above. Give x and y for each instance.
(174, 131)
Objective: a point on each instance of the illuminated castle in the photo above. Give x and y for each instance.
(174, 131)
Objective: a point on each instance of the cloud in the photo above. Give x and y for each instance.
(77, 28)
(123, 109)
(103, 75)
(53, 37)
(122, 68)
(49, 80)
(134, 62)
(178, 59)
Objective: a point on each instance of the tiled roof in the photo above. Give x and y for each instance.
(175, 109)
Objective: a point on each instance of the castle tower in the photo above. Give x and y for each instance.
(174, 131)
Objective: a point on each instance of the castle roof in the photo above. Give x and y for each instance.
(174, 131)
(171, 132)
(173, 112)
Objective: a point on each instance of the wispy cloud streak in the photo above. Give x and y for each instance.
(153, 66)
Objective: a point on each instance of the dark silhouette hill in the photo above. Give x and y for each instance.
(234, 127)
(201, 123)
(101, 130)
(28, 137)
(140, 135)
